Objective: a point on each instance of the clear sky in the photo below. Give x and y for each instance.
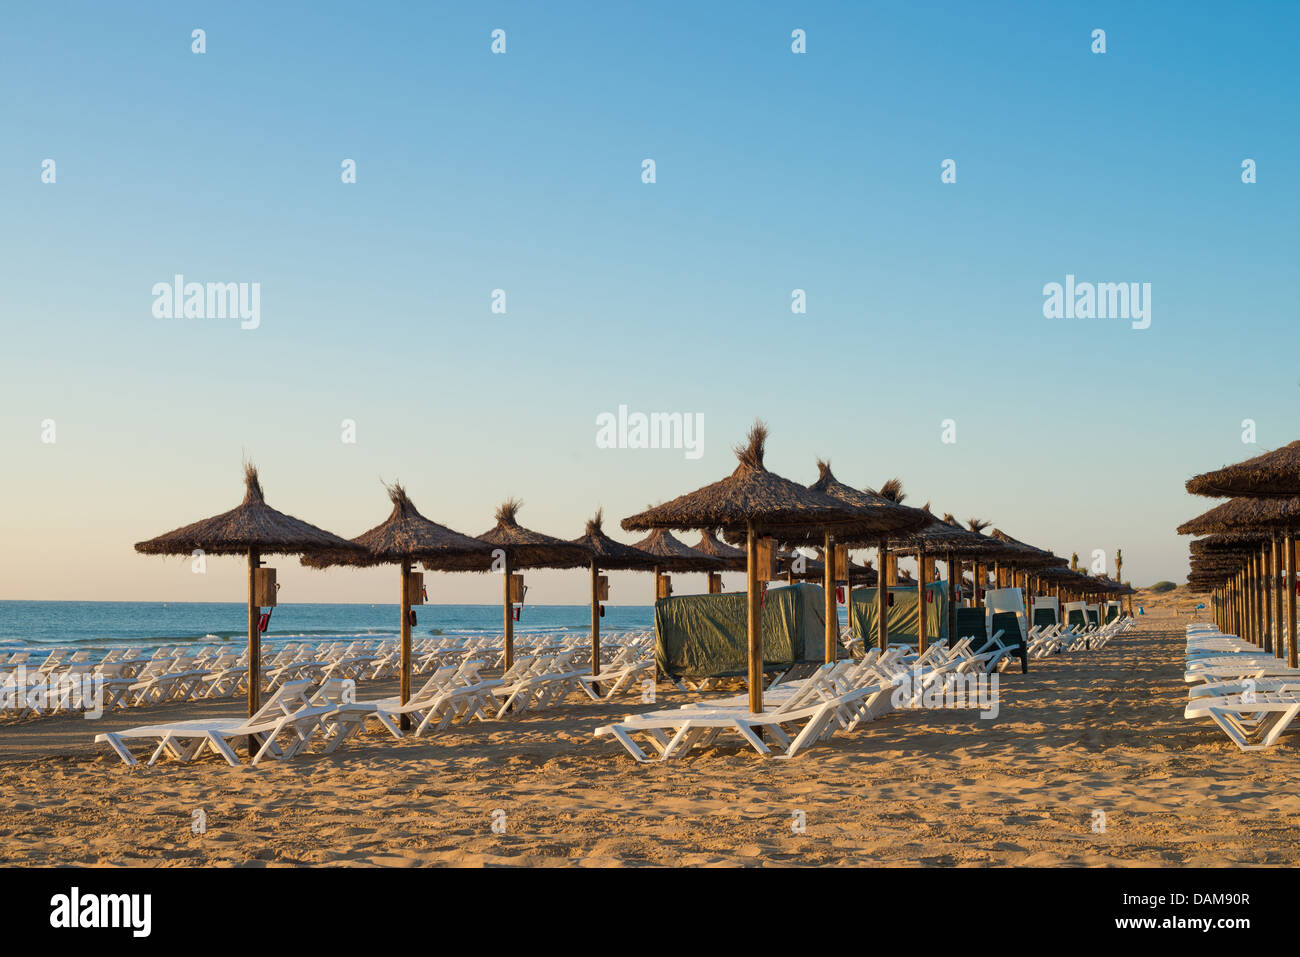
(775, 171)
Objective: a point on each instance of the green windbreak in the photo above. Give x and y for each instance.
(702, 636)
(901, 619)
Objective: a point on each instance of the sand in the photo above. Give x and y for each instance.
(1082, 733)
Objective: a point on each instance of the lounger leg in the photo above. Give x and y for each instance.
(388, 723)
(630, 745)
(219, 745)
(754, 740)
(122, 750)
(682, 733)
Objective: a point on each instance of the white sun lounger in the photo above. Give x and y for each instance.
(287, 716)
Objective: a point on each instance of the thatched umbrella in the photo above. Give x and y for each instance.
(1027, 559)
(402, 539)
(1268, 523)
(253, 529)
(1275, 473)
(612, 556)
(523, 548)
(888, 517)
(1270, 474)
(946, 538)
(892, 494)
(730, 559)
(758, 501)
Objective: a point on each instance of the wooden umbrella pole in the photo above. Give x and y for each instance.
(254, 647)
(754, 622)
(405, 635)
(848, 595)
(920, 602)
(831, 606)
(882, 598)
(954, 575)
(1267, 598)
(1291, 643)
(1252, 596)
(654, 600)
(509, 616)
(595, 622)
(1279, 642)
(1257, 589)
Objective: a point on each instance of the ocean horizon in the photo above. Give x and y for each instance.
(96, 625)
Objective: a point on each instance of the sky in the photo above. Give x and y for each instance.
(522, 171)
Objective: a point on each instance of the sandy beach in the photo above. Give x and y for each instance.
(1085, 732)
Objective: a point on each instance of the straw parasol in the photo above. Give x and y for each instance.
(946, 538)
(520, 547)
(732, 559)
(671, 554)
(1028, 560)
(403, 538)
(758, 501)
(1272, 473)
(891, 517)
(1257, 527)
(254, 529)
(1275, 473)
(606, 553)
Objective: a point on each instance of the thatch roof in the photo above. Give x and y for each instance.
(732, 559)
(885, 507)
(1027, 556)
(253, 524)
(612, 555)
(943, 537)
(406, 535)
(1245, 513)
(1230, 543)
(751, 494)
(671, 554)
(967, 544)
(529, 549)
(1072, 579)
(1273, 473)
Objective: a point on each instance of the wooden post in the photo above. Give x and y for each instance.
(1279, 645)
(405, 634)
(848, 595)
(1252, 582)
(831, 606)
(977, 600)
(1239, 583)
(954, 579)
(1257, 586)
(754, 621)
(921, 623)
(510, 614)
(882, 597)
(254, 647)
(1291, 644)
(1265, 583)
(595, 623)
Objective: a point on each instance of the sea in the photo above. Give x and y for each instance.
(103, 625)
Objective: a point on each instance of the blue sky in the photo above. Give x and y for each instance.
(522, 172)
